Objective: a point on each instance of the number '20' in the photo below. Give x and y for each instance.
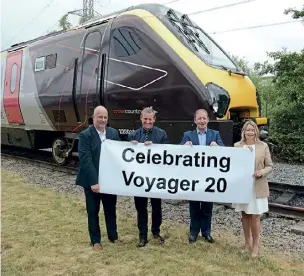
(221, 185)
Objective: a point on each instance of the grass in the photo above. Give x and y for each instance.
(45, 233)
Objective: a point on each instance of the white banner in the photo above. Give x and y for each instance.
(203, 173)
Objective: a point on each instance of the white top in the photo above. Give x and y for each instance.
(102, 136)
(250, 146)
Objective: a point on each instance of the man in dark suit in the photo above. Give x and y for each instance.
(89, 145)
(201, 212)
(148, 134)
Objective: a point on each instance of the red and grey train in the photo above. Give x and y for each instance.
(146, 55)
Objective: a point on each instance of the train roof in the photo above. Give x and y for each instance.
(91, 22)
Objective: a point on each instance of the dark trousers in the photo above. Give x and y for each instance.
(200, 217)
(141, 204)
(109, 209)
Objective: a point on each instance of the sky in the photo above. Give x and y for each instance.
(24, 20)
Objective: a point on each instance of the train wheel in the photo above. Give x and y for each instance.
(60, 151)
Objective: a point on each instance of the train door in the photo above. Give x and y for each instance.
(12, 88)
(88, 83)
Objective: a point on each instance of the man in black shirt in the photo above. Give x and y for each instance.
(148, 134)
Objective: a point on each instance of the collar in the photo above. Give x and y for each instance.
(148, 131)
(99, 133)
(201, 132)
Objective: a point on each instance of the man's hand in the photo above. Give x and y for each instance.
(134, 142)
(213, 143)
(147, 143)
(95, 188)
(188, 143)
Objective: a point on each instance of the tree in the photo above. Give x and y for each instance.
(287, 123)
(264, 84)
(296, 14)
(64, 22)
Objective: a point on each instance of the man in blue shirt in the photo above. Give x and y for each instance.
(201, 212)
(148, 134)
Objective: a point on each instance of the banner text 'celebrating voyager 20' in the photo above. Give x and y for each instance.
(217, 174)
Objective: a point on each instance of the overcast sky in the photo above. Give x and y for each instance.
(22, 20)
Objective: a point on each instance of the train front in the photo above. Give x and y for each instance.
(231, 94)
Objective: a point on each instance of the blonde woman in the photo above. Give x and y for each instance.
(258, 204)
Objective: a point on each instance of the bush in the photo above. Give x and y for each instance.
(287, 147)
(286, 102)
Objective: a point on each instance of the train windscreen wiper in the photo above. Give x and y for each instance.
(230, 71)
(184, 28)
(187, 21)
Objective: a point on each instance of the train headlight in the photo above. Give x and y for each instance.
(219, 99)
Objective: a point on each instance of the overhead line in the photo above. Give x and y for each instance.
(170, 2)
(255, 27)
(222, 7)
(31, 21)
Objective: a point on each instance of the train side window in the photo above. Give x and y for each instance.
(39, 64)
(126, 42)
(50, 61)
(14, 77)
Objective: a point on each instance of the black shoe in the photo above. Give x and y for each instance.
(118, 242)
(142, 243)
(159, 237)
(209, 239)
(192, 239)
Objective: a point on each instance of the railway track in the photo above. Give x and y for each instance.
(281, 204)
(41, 158)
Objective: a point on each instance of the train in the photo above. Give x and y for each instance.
(145, 55)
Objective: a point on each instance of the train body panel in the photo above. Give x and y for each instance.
(147, 55)
(4, 121)
(33, 112)
(153, 76)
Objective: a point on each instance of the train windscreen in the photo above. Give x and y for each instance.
(198, 41)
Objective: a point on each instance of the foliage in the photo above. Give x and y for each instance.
(281, 87)
(296, 14)
(264, 84)
(252, 74)
(64, 22)
(287, 123)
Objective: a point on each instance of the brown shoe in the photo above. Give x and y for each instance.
(97, 246)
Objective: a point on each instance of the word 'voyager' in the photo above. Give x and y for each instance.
(197, 160)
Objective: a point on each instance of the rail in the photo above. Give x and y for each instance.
(283, 187)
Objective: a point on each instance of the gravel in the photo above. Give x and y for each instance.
(287, 173)
(274, 195)
(276, 232)
(297, 201)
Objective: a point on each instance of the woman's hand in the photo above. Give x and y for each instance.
(257, 174)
